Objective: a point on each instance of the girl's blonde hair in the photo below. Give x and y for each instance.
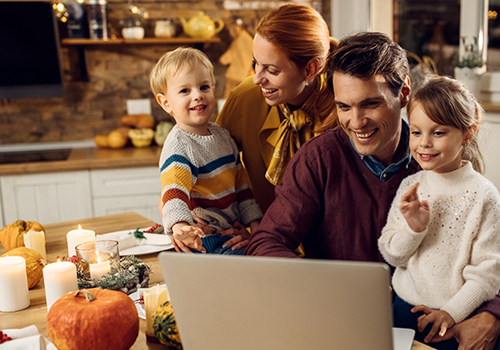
(174, 61)
(447, 101)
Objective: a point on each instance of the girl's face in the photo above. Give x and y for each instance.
(280, 79)
(436, 147)
(190, 99)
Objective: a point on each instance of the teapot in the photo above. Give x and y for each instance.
(202, 26)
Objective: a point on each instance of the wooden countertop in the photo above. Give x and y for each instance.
(90, 158)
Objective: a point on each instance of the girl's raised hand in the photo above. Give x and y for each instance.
(415, 211)
(189, 236)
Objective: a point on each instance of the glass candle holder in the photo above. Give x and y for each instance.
(98, 258)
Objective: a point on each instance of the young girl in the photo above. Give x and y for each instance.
(443, 229)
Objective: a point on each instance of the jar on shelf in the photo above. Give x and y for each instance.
(132, 28)
(165, 28)
(98, 19)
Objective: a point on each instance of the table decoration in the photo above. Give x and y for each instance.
(34, 263)
(11, 236)
(35, 240)
(98, 258)
(132, 274)
(165, 327)
(59, 279)
(153, 297)
(109, 318)
(13, 284)
(79, 236)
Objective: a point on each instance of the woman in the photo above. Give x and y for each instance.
(271, 114)
(284, 104)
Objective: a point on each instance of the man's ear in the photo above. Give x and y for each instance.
(163, 102)
(312, 68)
(405, 92)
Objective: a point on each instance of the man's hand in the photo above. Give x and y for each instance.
(476, 333)
(441, 321)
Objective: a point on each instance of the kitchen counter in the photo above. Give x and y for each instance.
(89, 158)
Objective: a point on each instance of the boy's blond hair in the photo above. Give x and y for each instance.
(172, 63)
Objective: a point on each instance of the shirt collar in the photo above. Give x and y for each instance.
(385, 173)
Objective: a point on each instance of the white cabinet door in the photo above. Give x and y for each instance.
(46, 198)
(123, 190)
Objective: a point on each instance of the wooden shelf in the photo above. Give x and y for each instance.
(149, 41)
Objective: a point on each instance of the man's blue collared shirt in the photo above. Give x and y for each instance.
(378, 168)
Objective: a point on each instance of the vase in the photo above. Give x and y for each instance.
(470, 77)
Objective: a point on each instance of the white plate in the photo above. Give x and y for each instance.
(140, 249)
(140, 307)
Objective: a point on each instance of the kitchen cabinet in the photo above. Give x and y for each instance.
(46, 198)
(123, 190)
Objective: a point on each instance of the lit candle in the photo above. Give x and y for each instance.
(76, 237)
(35, 240)
(153, 297)
(59, 279)
(14, 293)
(100, 268)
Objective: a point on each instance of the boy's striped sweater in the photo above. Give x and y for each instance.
(203, 176)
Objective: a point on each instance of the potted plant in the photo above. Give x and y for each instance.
(469, 65)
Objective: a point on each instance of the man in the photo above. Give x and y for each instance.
(337, 190)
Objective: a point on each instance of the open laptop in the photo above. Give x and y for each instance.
(258, 303)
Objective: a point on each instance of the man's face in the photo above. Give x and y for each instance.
(370, 114)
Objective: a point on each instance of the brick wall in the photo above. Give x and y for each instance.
(116, 73)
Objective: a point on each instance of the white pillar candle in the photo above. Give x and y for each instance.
(153, 297)
(100, 268)
(35, 240)
(14, 293)
(59, 278)
(76, 237)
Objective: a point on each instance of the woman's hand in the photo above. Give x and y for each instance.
(241, 236)
(440, 319)
(416, 212)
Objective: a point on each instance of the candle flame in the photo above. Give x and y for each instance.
(79, 227)
(98, 257)
(58, 260)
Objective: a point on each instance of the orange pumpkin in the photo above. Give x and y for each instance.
(97, 319)
(11, 236)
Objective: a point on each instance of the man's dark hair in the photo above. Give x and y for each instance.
(365, 55)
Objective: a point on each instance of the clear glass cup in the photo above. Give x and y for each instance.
(98, 258)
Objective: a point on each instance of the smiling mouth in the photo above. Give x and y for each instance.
(268, 91)
(366, 134)
(198, 108)
(427, 156)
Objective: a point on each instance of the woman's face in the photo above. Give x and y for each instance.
(280, 79)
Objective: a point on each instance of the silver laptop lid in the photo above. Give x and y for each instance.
(239, 303)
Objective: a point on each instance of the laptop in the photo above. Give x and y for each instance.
(264, 303)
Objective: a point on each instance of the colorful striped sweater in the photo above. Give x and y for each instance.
(203, 176)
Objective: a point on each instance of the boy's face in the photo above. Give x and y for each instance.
(190, 99)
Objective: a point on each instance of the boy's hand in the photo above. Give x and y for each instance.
(189, 236)
(441, 320)
(416, 212)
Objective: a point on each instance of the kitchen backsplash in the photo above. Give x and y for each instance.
(121, 72)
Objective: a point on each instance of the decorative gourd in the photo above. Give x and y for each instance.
(34, 263)
(165, 327)
(162, 131)
(11, 236)
(141, 137)
(97, 319)
(139, 121)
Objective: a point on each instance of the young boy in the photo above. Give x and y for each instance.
(201, 172)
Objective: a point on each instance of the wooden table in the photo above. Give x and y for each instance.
(56, 246)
